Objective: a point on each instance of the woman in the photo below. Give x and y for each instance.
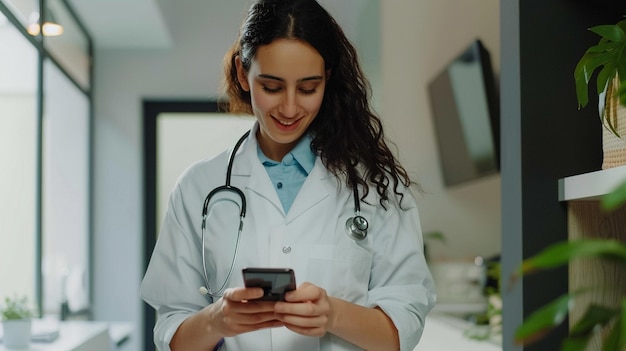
(315, 148)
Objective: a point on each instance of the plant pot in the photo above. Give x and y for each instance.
(17, 334)
(613, 146)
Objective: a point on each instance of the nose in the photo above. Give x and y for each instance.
(289, 106)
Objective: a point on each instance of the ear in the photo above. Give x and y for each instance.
(242, 75)
(328, 71)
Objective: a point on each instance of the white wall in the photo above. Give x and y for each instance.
(418, 38)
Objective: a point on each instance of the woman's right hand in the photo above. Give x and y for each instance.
(237, 312)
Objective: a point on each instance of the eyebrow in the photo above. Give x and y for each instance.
(269, 76)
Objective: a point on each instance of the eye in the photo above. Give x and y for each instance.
(308, 88)
(271, 90)
(308, 91)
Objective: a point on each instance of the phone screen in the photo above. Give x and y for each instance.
(274, 281)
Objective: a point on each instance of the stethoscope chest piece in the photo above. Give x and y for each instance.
(356, 227)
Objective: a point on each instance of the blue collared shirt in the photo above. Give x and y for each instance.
(289, 174)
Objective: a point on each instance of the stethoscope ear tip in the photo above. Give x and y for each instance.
(203, 290)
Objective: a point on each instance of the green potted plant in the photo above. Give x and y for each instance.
(608, 58)
(16, 322)
(608, 320)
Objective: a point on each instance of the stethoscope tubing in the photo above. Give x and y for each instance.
(356, 226)
(242, 214)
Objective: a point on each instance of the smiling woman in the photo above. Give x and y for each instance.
(314, 168)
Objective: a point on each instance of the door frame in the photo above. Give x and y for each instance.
(151, 111)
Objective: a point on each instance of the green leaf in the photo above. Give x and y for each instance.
(610, 52)
(583, 71)
(604, 46)
(542, 321)
(563, 252)
(435, 236)
(611, 342)
(594, 316)
(611, 32)
(615, 198)
(16, 307)
(606, 74)
(575, 343)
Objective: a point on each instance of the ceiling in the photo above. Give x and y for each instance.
(110, 21)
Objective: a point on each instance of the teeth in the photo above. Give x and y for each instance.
(285, 123)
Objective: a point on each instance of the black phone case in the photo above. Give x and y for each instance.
(274, 281)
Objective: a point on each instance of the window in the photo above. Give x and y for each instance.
(65, 193)
(45, 148)
(19, 163)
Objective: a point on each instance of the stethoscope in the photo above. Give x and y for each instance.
(356, 226)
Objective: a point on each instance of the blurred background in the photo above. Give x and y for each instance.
(98, 121)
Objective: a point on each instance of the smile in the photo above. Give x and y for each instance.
(286, 123)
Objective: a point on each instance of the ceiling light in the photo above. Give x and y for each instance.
(51, 27)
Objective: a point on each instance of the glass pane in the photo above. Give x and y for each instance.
(24, 10)
(185, 138)
(71, 48)
(18, 157)
(65, 193)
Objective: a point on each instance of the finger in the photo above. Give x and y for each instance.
(248, 307)
(242, 294)
(247, 319)
(305, 292)
(303, 321)
(298, 308)
(315, 332)
(235, 329)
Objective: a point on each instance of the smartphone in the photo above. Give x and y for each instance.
(274, 281)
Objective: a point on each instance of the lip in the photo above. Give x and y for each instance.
(293, 124)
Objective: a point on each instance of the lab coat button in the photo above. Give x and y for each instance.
(286, 249)
(279, 185)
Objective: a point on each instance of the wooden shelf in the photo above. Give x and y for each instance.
(591, 186)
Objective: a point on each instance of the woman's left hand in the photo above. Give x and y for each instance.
(307, 310)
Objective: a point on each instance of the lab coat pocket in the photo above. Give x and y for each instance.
(342, 270)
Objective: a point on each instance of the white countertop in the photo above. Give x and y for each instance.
(80, 335)
(443, 332)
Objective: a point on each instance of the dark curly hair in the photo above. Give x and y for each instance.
(347, 134)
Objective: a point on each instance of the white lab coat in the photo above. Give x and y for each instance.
(387, 269)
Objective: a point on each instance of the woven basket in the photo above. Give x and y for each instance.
(613, 147)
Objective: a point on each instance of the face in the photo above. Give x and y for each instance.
(286, 81)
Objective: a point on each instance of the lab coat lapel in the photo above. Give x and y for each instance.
(250, 173)
(319, 184)
(261, 184)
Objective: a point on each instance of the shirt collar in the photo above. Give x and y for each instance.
(301, 153)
